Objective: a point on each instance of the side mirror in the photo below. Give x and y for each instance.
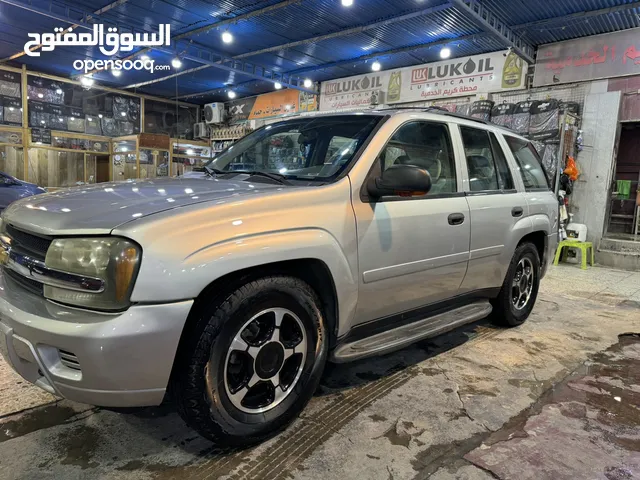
(8, 181)
(403, 180)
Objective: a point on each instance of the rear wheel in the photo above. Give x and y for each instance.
(253, 363)
(520, 288)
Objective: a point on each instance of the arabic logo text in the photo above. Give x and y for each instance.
(109, 43)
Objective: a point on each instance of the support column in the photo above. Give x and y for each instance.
(26, 138)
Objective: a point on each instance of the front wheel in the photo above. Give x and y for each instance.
(254, 362)
(520, 288)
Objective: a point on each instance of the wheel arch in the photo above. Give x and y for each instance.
(313, 271)
(539, 239)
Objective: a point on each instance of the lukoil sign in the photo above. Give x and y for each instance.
(368, 82)
(478, 74)
(470, 67)
(353, 92)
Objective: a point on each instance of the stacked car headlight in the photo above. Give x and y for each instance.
(112, 260)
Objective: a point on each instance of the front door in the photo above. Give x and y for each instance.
(412, 251)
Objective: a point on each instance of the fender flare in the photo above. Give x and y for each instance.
(204, 266)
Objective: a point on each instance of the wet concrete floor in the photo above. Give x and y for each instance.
(557, 398)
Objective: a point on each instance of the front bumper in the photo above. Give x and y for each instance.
(120, 360)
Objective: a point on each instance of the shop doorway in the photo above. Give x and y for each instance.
(624, 219)
(97, 168)
(102, 168)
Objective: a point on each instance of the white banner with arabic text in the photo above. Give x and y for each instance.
(466, 76)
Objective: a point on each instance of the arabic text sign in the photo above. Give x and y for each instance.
(492, 72)
(275, 103)
(270, 104)
(465, 76)
(354, 92)
(109, 43)
(589, 58)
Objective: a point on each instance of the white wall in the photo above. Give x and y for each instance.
(596, 162)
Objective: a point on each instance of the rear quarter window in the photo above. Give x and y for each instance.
(529, 164)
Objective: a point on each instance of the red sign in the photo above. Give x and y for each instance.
(589, 58)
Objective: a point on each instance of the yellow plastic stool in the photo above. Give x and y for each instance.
(584, 248)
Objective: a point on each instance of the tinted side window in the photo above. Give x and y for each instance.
(528, 162)
(482, 169)
(504, 173)
(426, 145)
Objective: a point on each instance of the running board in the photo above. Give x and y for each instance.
(400, 337)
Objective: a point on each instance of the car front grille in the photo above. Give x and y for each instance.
(24, 242)
(25, 282)
(28, 244)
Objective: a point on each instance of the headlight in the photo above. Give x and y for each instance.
(113, 260)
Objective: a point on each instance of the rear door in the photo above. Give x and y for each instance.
(498, 211)
(412, 251)
(541, 200)
(537, 190)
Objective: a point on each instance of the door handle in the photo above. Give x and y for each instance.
(517, 211)
(456, 219)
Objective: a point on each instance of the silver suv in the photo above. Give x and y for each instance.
(327, 237)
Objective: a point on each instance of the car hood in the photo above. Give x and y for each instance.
(97, 209)
(30, 186)
(27, 184)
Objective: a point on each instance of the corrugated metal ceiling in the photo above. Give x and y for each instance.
(338, 56)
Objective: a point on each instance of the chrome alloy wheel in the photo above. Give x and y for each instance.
(522, 285)
(265, 360)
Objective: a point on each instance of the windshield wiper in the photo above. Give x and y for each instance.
(213, 172)
(282, 179)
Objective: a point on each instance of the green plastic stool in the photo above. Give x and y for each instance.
(582, 246)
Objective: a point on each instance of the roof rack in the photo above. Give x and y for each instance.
(440, 110)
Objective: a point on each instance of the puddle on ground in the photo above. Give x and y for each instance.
(604, 393)
(378, 418)
(470, 390)
(402, 432)
(629, 304)
(78, 447)
(44, 417)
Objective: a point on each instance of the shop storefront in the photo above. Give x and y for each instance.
(606, 195)
(189, 155)
(57, 159)
(57, 134)
(12, 151)
(141, 156)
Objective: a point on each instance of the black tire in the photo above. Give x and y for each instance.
(505, 312)
(210, 411)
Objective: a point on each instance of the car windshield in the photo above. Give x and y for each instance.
(317, 148)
